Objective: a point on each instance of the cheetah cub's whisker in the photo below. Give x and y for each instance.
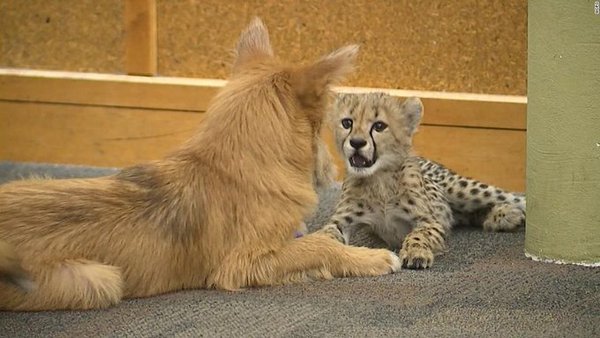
(410, 202)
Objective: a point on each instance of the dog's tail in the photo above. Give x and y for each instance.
(11, 271)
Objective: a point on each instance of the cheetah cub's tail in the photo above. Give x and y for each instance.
(11, 271)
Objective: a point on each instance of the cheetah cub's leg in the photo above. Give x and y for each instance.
(426, 206)
(332, 231)
(504, 217)
(507, 212)
(476, 202)
(325, 169)
(489, 206)
(349, 214)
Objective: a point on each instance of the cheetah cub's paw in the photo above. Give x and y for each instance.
(504, 217)
(331, 230)
(416, 257)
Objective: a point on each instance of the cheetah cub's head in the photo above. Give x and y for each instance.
(374, 131)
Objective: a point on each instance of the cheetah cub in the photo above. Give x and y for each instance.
(410, 202)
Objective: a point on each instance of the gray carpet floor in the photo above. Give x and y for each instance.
(482, 287)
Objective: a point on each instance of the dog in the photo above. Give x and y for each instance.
(218, 212)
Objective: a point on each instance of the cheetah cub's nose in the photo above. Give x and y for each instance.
(357, 143)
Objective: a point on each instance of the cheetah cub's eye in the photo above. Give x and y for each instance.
(347, 123)
(379, 126)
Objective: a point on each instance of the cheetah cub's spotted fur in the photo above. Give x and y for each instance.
(410, 202)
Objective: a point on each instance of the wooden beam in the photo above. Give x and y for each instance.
(140, 37)
(118, 120)
(107, 90)
(494, 156)
(463, 109)
(184, 94)
(117, 137)
(99, 136)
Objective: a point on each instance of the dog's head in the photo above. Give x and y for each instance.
(303, 90)
(272, 109)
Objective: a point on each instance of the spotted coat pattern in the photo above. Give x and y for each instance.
(410, 202)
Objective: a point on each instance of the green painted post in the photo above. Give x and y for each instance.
(563, 131)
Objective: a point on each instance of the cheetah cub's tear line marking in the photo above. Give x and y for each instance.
(410, 202)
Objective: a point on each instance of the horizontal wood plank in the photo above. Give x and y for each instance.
(463, 109)
(116, 137)
(448, 109)
(493, 156)
(107, 90)
(495, 115)
(99, 136)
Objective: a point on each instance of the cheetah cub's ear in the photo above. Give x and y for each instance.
(412, 112)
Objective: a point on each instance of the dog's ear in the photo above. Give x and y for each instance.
(312, 83)
(253, 44)
(332, 68)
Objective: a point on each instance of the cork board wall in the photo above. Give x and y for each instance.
(73, 35)
(477, 46)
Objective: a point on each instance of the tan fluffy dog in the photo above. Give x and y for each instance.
(219, 212)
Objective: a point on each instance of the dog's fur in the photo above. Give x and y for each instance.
(219, 212)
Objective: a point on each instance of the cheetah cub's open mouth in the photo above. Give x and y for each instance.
(359, 161)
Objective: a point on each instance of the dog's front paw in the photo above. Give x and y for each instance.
(416, 257)
(395, 262)
(372, 262)
(332, 230)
